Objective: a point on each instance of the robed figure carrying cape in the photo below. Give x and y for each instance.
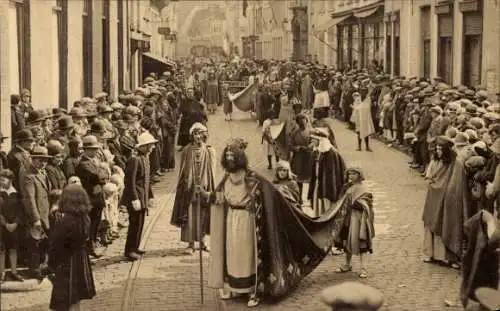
(184, 214)
(288, 244)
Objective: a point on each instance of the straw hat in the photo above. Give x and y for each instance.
(145, 139)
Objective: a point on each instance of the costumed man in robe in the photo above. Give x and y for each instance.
(356, 237)
(192, 111)
(328, 173)
(252, 252)
(197, 169)
(212, 96)
(362, 118)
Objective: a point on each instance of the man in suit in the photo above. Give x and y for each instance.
(93, 174)
(18, 159)
(35, 193)
(137, 193)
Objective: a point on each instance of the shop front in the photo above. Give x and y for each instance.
(360, 37)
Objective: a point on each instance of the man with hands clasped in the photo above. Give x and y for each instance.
(137, 193)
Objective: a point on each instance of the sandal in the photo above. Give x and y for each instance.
(363, 274)
(429, 260)
(253, 301)
(343, 269)
(225, 295)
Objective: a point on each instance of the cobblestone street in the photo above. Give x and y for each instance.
(167, 279)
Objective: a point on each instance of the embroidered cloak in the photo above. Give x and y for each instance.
(289, 244)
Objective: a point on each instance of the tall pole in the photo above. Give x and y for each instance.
(198, 217)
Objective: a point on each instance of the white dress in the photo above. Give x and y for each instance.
(240, 240)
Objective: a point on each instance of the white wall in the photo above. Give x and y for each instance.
(43, 90)
(75, 51)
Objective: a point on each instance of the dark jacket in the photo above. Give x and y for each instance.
(56, 176)
(35, 192)
(137, 181)
(93, 178)
(18, 161)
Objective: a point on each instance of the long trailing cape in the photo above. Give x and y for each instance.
(185, 185)
(289, 244)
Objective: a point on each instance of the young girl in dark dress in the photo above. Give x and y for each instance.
(68, 256)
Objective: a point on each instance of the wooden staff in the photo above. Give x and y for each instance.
(198, 218)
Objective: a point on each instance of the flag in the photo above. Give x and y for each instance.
(245, 6)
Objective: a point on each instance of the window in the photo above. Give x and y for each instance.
(425, 18)
(388, 47)
(62, 43)
(87, 47)
(106, 64)
(355, 46)
(20, 59)
(473, 28)
(120, 46)
(445, 47)
(396, 49)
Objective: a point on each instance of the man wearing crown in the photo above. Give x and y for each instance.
(197, 171)
(261, 244)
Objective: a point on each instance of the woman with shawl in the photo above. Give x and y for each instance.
(362, 118)
(285, 182)
(438, 178)
(358, 231)
(456, 204)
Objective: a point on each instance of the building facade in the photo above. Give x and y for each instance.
(64, 50)
(452, 39)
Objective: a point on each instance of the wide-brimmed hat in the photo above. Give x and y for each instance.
(356, 295)
(40, 153)
(54, 147)
(461, 139)
(58, 112)
(24, 135)
(145, 139)
(37, 116)
(90, 142)
(101, 109)
(489, 298)
(77, 112)
(65, 122)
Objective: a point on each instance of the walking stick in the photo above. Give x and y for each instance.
(198, 218)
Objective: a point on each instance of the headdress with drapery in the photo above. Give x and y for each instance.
(356, 170)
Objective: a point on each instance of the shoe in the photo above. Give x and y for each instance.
(253, 302)
(159, 173)
(16, 277)
(140, 251)
(132, 256)
(93, 253)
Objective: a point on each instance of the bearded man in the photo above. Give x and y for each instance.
(328, 171)
(252, 250)
(197, 171)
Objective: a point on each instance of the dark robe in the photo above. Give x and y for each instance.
(69, 259)
(192, 111)
(301, 162)
(56, 176)
(331, 176)
(186, 182)
(289, 244)
(480, 262)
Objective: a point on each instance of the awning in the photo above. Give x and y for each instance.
(368, 10)
(160, 60)
(332, 22)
